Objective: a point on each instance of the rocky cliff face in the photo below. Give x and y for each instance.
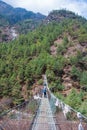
(8, 33)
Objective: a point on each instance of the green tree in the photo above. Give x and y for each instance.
(73, 99)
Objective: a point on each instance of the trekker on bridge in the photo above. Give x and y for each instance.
(45, 92)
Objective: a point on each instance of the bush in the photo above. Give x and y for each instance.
(83, 108)
(83, 79)
(60, 87)
(83, 38)
(61, 49)
(75, 72)
(73, 99)
(40, 82)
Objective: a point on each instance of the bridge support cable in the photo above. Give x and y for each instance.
(20, 117)
(66, 117)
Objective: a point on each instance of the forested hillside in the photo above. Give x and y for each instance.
(22, 20)
(57, 49)
(15, 15)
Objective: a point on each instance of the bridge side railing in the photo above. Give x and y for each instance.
(19, 117)
(66, 118)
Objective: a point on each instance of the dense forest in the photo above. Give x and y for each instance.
(57, 49)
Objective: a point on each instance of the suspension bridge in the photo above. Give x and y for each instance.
(43, 113)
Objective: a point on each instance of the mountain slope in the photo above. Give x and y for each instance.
(5, 8)
(57, 49)
(60, 15)
(22, 20)
(3, 21)
(15, 15)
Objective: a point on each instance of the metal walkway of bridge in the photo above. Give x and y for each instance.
(44, 118)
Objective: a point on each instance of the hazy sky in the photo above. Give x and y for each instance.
(45, 6)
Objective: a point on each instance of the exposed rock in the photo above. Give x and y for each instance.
(76, 85)
(14, 33)
(67, 79)
(37, 89)
(66, 92)
(8, 33)
(53, 50)
(67, 69)
(71, 51)
(67, 85)
(84, 44)
(58, 41)
(25, 92)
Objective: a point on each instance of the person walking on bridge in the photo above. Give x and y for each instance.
(45, 92)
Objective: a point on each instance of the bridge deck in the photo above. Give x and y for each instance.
(44, 119)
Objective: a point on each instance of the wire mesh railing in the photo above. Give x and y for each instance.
(20, 117)
(66, 118)
(44, 118)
